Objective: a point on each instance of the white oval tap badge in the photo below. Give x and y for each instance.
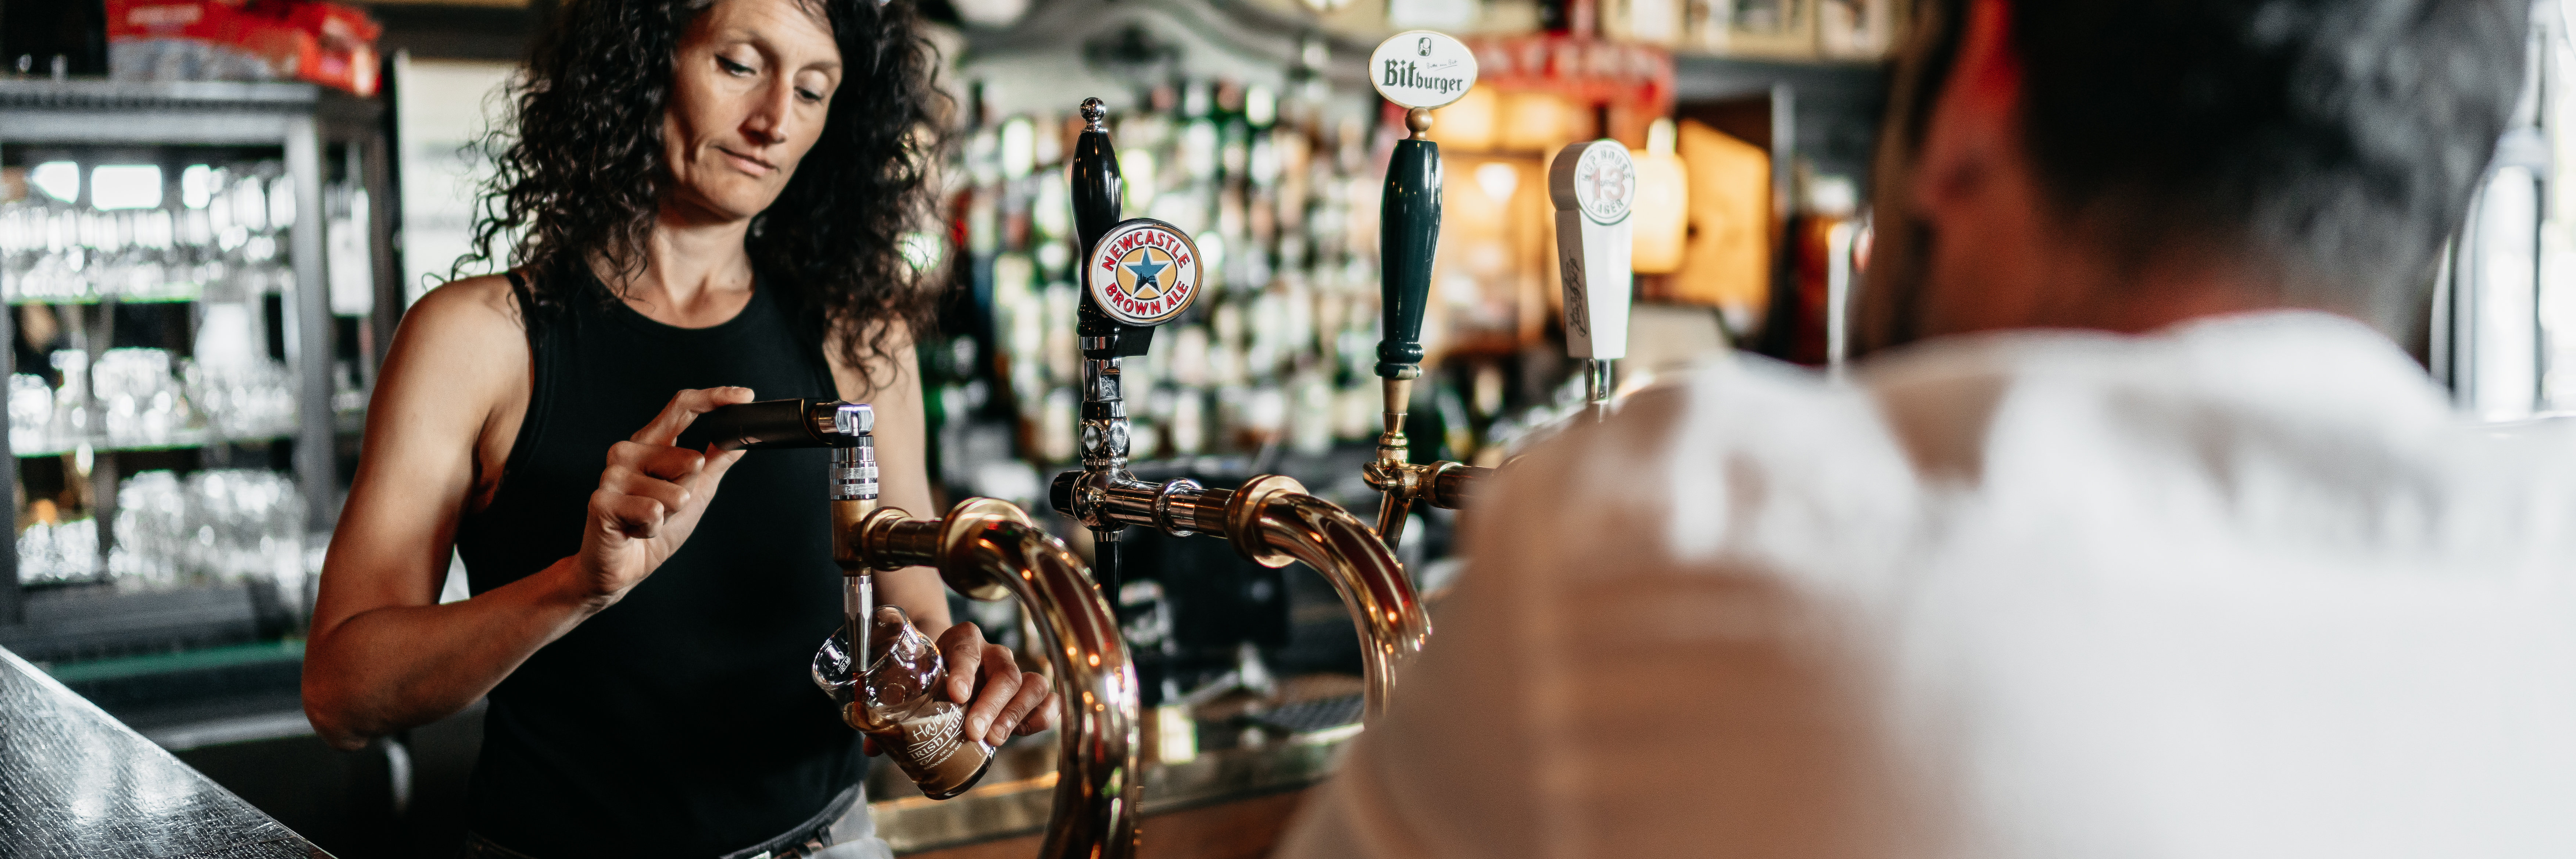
(1420, 68)
(1605, 182)
(1144, 272)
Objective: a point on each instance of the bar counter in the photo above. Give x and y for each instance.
(1269, 779)
(76, 782)
(1232, 798)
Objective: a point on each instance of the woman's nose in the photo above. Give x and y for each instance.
(767, 123)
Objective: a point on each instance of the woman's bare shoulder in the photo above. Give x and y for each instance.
(465, 331)
(472, 303)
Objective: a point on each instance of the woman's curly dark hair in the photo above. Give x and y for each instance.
(581, 173)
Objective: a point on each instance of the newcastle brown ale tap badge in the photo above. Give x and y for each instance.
(1144, 272)
(1420, 68)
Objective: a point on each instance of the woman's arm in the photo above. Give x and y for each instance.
(1009, 701)
(383, 655)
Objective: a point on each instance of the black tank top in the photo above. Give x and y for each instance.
(680, 721)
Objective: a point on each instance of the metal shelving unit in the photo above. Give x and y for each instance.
(311, 127)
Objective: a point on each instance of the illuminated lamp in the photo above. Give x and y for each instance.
(1468, 124)
(1662, 207)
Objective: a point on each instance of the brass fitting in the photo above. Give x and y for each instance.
(1402, 483)
(1273, 521)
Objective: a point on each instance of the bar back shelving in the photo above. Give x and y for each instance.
(319, 317)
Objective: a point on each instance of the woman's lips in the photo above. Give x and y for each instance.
(748, 164)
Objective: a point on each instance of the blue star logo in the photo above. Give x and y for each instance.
(1148, 274)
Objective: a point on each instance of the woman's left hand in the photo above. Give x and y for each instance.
(1001, 699)
(1005, 700)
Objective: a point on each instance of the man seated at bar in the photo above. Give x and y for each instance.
(695, 195)
(2151, 543)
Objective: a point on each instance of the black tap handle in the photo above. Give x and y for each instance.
(1098, 195)
(1097, 189)
(779, 424)
(1408, 236)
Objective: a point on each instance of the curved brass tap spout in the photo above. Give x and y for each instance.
(989, 549)
(1441, 484)
(1272, 521)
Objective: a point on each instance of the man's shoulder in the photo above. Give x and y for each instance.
(1753, 409)
(1753, 457)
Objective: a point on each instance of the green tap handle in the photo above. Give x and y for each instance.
(1098, 193)
(1408, 235)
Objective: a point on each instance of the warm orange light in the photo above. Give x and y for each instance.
(1662, 206)
(1728, 264)
(1539, 121)
(1468, 124)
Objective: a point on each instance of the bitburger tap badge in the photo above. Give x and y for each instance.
(1422, 68)
(1144, 272)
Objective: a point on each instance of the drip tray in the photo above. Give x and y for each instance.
(1306, 717)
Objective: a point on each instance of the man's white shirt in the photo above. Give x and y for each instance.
(2246, 587)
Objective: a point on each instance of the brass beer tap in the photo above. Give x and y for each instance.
(1139, 273)
(985, 549)
(1591, 185)
(1408, 238)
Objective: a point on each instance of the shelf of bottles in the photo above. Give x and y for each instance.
(1281, 199)
(172, 458)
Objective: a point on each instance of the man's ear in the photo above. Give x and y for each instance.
(1975, 128)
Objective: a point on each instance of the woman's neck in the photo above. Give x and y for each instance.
(696, 272)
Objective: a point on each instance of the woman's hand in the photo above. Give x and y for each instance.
(1010, 702)
(1005, 699)
(650, 498)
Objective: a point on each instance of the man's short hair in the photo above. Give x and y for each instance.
(2339, 141)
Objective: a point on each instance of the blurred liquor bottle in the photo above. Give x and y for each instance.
(1807, 319)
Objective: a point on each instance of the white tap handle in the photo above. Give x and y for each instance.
(1593, 185)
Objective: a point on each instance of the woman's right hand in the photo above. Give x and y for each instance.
(650, 498)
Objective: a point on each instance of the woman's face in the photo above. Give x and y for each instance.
(751, 86)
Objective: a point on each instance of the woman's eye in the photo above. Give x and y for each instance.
(809, 96)
(732, 67)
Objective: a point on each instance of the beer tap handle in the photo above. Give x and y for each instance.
(1420, 70)
(1593, 186)
(1136, 274)
(1408, 238)
(779, 424)
(1098, 196)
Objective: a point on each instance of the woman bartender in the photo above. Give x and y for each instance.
(702, 196)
